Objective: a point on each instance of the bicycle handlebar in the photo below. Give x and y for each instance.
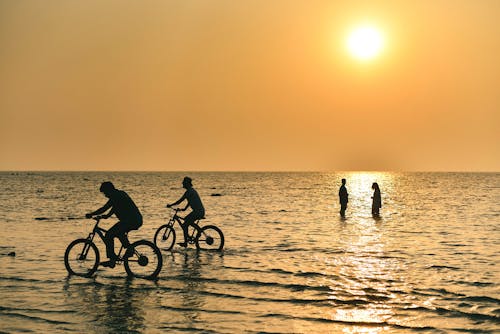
(175, 209)
(98, 218)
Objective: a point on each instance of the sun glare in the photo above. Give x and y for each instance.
(365, 43)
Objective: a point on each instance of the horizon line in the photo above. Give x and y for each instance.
(241, 171)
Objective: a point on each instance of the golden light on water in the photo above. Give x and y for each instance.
(366, 257)
(359, 184)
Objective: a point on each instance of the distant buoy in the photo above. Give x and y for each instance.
(12, 254)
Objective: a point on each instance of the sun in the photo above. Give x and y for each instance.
(365, 42)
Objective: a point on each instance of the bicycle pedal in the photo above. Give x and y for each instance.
(108, 264)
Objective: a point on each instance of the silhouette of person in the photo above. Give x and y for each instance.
(126, 211)
(193, 201)
(343, 198)
(377, 199)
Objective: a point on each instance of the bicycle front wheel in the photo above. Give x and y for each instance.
(165, 237)
(143, 259)
(210, 238)
(81, 258)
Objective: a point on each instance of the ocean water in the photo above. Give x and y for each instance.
(428, 264)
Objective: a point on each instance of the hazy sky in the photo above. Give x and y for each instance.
(248, 85)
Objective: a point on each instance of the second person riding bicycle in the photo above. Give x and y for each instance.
(193, 201)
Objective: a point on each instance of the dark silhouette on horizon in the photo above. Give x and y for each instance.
(193, 201)
(130, 218)
(343, 198)
(377, 200)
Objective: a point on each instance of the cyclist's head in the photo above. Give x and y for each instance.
(343, 181)
(107, 187)
(187, 182)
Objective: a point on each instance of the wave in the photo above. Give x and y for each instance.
(292, 287)
(329, 300)
(285, 248)
(479, 284)
(352, 323)
(468, 315)
(190, 329)
(34, 318)
(481, 299)
(436, 292)
(28, 280)
(13, 309)
(450, 313)
(283, 272)
(190, 309)
(442, 267)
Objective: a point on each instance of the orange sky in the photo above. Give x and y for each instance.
(248, 85)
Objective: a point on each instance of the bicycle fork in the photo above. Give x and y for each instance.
(86, 247)
(168, 231)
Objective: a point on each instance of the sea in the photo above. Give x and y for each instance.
(430, 263)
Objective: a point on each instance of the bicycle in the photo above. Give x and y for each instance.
(208, 237)
(141, 259)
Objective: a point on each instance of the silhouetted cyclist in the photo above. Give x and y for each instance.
(193, 201)
(126, 211)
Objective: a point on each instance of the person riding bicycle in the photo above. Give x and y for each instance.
(126, 211)
(193, 201)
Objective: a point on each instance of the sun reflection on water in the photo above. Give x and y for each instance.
(359, 184)
(365, 259)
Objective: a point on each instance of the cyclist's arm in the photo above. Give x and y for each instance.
(179, 201)
(110, 213)
(106, 207)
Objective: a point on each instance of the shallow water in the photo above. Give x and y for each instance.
(290, 264)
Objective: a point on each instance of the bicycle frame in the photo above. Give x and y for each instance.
(101, 233)
(178, 219)
(97, 230)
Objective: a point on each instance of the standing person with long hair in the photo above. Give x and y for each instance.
(377, 200)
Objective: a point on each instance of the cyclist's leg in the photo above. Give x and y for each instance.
(191, 220)
(128, 226)
(124, 239)
(188, 220)
(116, 231)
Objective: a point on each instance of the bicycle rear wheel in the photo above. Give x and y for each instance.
(165, 237)
(210, 238)
(81, 258)
(143, 259)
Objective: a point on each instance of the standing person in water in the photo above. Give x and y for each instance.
(120, 204)
(193, 201)
(377, 200)
(343, 198)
